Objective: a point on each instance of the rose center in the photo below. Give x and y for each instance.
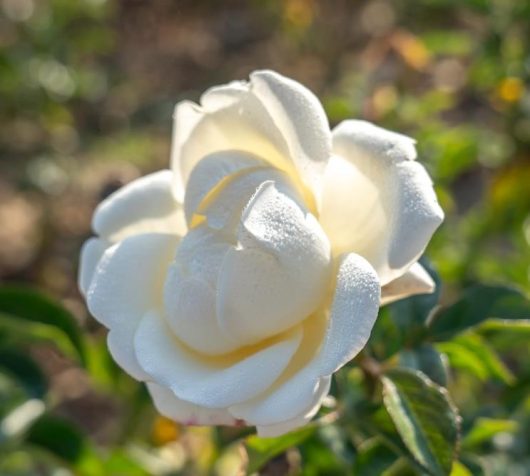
(255, 263)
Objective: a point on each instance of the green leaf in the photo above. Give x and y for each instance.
(12, 394)
(471, 352)
(261, 450)
(20, 366)
(373, 419)
(411, 314)
(336, 439)
(31, 461)
(426, 359)
(31, 307)
(20, 333)
(425, 418)
(479, 303)
(464, 359)
(386, 338)
(485, 429)
(379, 422)
(460, 470)
(373, 458)
(120, 463)
(57, 436)
(318, 458)
(473, 464)
(519, 328)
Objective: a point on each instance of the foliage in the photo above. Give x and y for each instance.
(87, 89)
(391, 417)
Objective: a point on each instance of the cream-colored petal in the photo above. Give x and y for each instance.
(297, 112)
(278, 273)
(225, 210)
(377, 201)
(146, 205)
(352, 316)
(278, 429)
(212, 171)
(213, 382)
(353, 313)
(272, 117)
(186, 150)
(127, 283)
(201, 253)
(120, 344)
(129, 278)
(228, 119)
(172, 407)
(91, 253)
(415, 281)
(190, 307)
(190, 292)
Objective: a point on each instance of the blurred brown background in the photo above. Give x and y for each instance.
(88, 87)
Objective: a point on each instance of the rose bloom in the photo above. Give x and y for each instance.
(238, 281)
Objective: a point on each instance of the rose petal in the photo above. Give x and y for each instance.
(415, 281)
(229, 119)
(211, 171)
(353, 313)
(190, 305)
(297, 112)
(377, 201)
(145, 205)
(184, 412)
(120, 344)
(278, 273)
(126, 284)
(272, 117)
(212, 383)
(224, 212)
(200, 254)
(91, 253)
(278, 429)
(129, 278)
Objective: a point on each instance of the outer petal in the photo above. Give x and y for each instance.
(272, 117)
(91, 253)
(215, 382)
(415, 281)
(377, 201)
(126, 284)
(277, 429)
(298, 113)
(184, 412)
(145, 205)
(353, 313)
(229, 118)
(120, 345)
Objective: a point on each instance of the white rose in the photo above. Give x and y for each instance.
(236, 283)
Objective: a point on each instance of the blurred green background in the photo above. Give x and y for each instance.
(87, 89)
